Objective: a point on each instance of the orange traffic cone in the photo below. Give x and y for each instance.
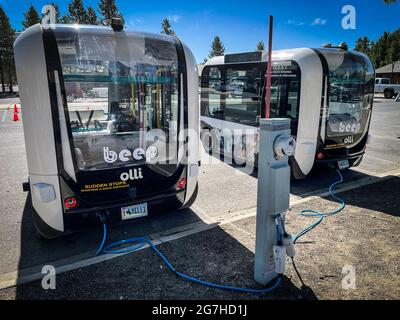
(15, 108)
(15, 117)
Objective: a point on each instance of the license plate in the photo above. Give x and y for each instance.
(135, 211)
(343, 164)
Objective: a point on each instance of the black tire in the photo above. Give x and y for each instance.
(210, 141)
(295, 171)
(192, 198)
(42, 230)
(389, 93)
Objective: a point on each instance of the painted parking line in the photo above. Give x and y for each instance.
(380, 159)
(385, 138)
(385, 124)
(3, 118)
(17, 277)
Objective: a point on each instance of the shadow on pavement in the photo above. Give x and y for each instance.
(321, 179)
(35, 252)
(213, 255)
(317, 179)
(383, 198)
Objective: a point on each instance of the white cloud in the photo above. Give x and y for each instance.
(174, 18)
(294, 22)
(319, 22)
(133, 22)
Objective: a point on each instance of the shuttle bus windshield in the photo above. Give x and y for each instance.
(350, 93)
(117, 93)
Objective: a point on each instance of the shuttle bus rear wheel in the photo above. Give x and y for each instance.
(208, 141)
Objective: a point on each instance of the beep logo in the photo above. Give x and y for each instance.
(125, 154)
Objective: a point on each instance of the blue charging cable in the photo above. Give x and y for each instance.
(139, 242)
(320, 215)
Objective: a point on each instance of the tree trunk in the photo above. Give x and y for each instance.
(3, 85)
(11, 85)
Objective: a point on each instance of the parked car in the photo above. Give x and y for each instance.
(383, 85)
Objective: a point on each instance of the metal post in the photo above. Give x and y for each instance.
(276, 145)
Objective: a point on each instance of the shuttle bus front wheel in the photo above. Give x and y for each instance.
(43, 230)
(192, 198)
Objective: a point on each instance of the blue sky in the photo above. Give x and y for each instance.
(241, 24)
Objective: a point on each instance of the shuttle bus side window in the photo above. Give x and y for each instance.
(242, 90)
(213, 98)
(285, 90)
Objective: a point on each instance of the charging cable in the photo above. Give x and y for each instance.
(319, 214)
(284, 242)
(139, 242)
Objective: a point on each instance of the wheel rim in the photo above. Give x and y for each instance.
(207, 142)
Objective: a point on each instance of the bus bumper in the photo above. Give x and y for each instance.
(83, 219)
(332, 160)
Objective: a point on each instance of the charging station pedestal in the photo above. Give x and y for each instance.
(273, 191)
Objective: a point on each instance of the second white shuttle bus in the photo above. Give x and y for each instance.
(327, 93)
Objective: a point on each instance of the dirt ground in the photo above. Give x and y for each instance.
(364, 236)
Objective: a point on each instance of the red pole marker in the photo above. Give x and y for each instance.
(15, 108)
(268, 86)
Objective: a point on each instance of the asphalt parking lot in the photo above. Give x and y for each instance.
(227, 197)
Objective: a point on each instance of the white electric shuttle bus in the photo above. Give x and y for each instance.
(103, 113)
(327, 93)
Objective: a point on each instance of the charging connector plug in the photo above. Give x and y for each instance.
(287, 241)
(102, 218)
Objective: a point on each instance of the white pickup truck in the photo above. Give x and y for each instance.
(383, 85)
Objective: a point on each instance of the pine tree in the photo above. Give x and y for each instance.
(57, 9)
(92, 17)
(77, 12)
(109, 9)
(385, 50)
(217, 48)
(394, 49)
(260, 46)
(166, 28)
(363, 45)
(7, 68)
(31, 17)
